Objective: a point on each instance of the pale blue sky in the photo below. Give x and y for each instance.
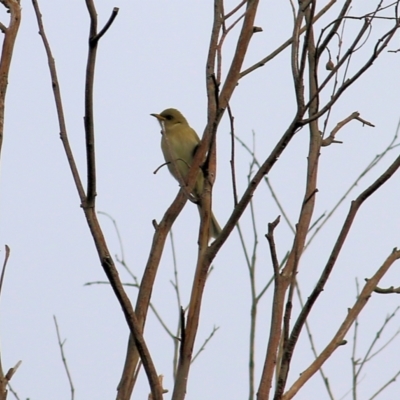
(152, 58)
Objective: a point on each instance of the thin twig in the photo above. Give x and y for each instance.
(3, 270)
(389, 290)
(63, 358)
(253, 288)
(3, 378)
(121, 260)
(286, 44)
(269, 184)
(325, 379)
(272, 247)
(369, 355)
(121, 246)
(232, 160)
(354, 360)
(175, 285)
(371, 165)
(14, 393)
(389, 382)
(381, 44)
(107, 25)
(238, 7)
(331, 138)
(203, 346)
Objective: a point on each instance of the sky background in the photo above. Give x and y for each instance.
(153, 58)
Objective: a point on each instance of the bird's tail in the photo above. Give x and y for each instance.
(215, 229)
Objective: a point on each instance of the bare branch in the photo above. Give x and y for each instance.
(324, 377)
(381, 44)
(10, 373)
(216, 106)
(204, 345)
(345, 326)
(3, 270)
(4, 379)
(327, 270)
(331, 138)
(232, 160)
(389, 290)
(64, 360)
(335, 27)
(271, 241)
(15, 394)
(288, 42)
(392, 145)
(389, 382)
(59, 106)
(356, 204)
(107, 25)
(88, 206)
(237, 8)
(10, 35)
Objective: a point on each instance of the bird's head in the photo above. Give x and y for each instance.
(170, 117)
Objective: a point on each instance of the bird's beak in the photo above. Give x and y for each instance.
(159, 117)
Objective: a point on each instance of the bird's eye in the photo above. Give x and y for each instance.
(168, 117)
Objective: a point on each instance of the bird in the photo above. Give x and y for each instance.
(181, 144)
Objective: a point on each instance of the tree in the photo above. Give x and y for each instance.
(332, 49)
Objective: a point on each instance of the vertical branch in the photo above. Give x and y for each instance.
(127, 380)
(10, 35)
(297, 78)
(251, 266)
(125, 386)
(216, 106)
(311, 184)
(107, 261)
(64, 359)
(280, 285)
(354, 352)
(232, 160)
(186, 351)
(88, 119)
(3, 270)
(287, 276)
(3, 379)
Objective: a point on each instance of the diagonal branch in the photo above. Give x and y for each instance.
(90, 214)
(346, 325)
(355, 206)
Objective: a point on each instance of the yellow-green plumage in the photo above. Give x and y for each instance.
(181, 144)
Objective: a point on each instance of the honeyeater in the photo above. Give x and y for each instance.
(181, 144)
